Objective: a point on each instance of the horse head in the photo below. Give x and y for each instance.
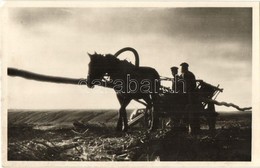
(99, 66)
(95, 69)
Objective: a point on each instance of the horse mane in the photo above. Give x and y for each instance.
(112, 60)
(125, 63)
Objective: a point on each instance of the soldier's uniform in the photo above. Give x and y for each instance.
(177, 83)
(175, 75)
(193, 103)
(190, 80)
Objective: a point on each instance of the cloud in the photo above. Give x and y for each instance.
(216, 42)
(190, 23)
(211, 23)
(38, 16)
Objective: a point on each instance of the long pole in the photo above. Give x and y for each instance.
(44, 78)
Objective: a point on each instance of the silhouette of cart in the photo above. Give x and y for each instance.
(176, 108)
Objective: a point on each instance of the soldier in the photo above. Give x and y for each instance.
(177, 87)
(189, 78)
(175, 75)
(193, 103)
(177, 82)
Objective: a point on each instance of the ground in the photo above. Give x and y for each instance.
(60, 135)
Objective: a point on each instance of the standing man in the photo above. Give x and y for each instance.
(192, 104)
(189, 78)
(175, 75)
(178, 83)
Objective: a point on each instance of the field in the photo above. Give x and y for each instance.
(89, 135)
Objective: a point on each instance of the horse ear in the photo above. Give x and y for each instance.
(90, 56)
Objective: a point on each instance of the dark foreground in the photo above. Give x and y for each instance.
(51, 136)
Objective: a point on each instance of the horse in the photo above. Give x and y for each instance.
(130, 82)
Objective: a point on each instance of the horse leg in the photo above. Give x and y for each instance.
(148, 107)
(119, 121)
(122, 114)
(155, 112)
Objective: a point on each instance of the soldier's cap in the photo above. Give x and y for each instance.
(184, 64)
(174, 68)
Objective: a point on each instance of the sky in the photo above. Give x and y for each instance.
(216, 42)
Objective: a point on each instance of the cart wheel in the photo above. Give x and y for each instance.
(151, 119)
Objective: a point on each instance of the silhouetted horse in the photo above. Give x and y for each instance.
(129, 81)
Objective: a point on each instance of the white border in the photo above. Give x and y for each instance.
(81, 4)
